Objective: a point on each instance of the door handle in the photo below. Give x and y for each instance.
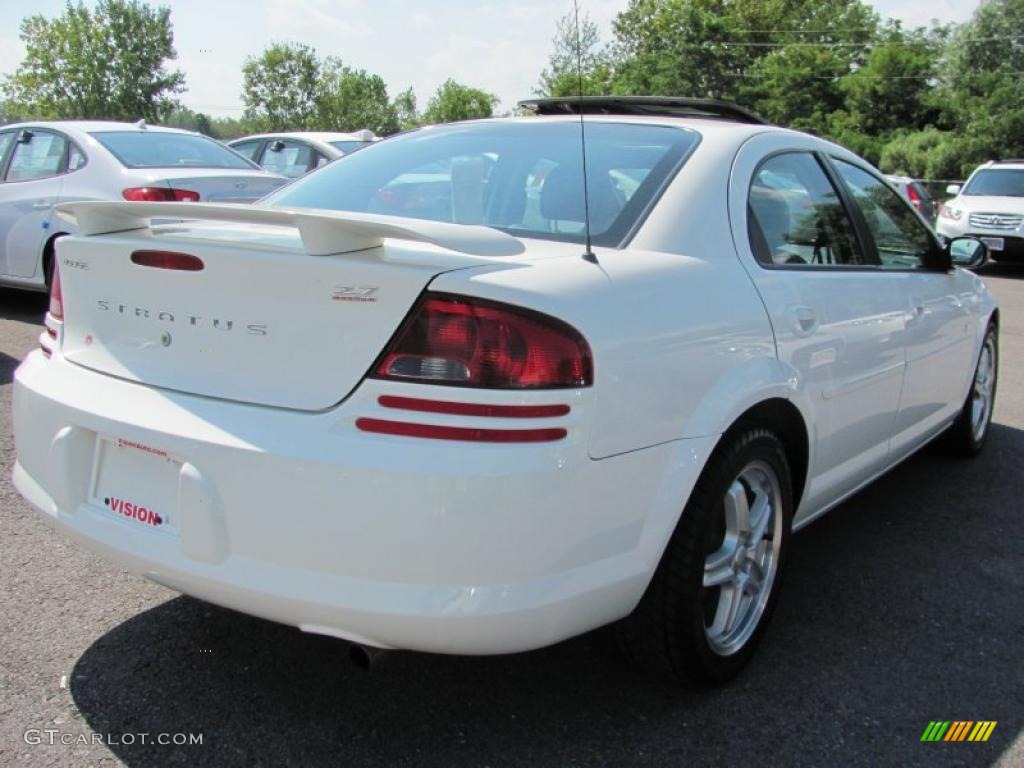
(805, 321)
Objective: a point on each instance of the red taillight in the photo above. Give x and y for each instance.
(160, 195)
(915, 198)
(56, 296)
(185, 262)
(469, 342)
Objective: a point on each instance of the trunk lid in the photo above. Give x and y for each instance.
(262, 322)
(218, 186)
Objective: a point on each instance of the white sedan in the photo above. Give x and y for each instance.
(295, 154)
(404, 403)
(45, 163)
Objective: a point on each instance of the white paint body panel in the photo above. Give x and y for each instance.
(445, 546)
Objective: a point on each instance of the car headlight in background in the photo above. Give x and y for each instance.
(951, 213)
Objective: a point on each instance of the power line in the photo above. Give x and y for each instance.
(841, 44)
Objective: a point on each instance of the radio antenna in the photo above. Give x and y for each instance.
(588, 253)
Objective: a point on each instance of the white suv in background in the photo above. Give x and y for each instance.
(990, 206)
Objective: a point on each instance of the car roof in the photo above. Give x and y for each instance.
(95, 126)
(723, 130)
(325, 136)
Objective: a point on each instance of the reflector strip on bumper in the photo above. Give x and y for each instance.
(470, 434)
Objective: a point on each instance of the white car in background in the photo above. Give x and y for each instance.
(989, 206)
(295, 154)
(45, 163)
(342, 410)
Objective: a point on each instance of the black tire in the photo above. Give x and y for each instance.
(48, 270)
(963, 438)
(668, 632)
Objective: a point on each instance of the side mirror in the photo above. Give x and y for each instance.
(277, 146)
(967, 252)
(25, 137)
(953, 189)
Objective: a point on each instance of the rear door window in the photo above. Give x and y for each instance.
(37, 155)
(6, 141)
(248, 149)
(796, 217)
(287, 158)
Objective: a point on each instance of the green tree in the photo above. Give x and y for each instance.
(572, 58)
(454, 101)
(281, 88)
(405, 108)
(108, 63)
(227, 128)
(984, 62)
(186, 119)
(892, 90)
(928, 154)
(351, 99)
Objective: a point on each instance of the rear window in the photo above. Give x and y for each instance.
(1001, 182)
(156, 149)
(525, 178)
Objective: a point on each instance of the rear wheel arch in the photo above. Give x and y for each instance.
(49, 254)
(785, 420)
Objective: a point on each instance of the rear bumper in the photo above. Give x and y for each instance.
(396, 542)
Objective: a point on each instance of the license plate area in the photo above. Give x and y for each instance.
(136, 484)
(994, 243)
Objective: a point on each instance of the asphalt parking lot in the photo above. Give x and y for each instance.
(903, 606)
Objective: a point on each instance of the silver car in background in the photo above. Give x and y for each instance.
(295, 154)
(45, 163)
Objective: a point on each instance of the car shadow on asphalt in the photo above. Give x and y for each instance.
(7, 366)
(898, 609)
(25, 306)
(993, 269)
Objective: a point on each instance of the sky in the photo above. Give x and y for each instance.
(500, 46)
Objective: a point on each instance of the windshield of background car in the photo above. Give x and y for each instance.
(142, 149)
(1000, 182)
(523, 177)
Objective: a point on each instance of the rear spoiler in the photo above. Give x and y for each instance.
(323, 232)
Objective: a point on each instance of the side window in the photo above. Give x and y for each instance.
(76, 158)
(288, 158)
(6, 141)
(248, 149)
(903, 242)
(796, 217)
(37, 155)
